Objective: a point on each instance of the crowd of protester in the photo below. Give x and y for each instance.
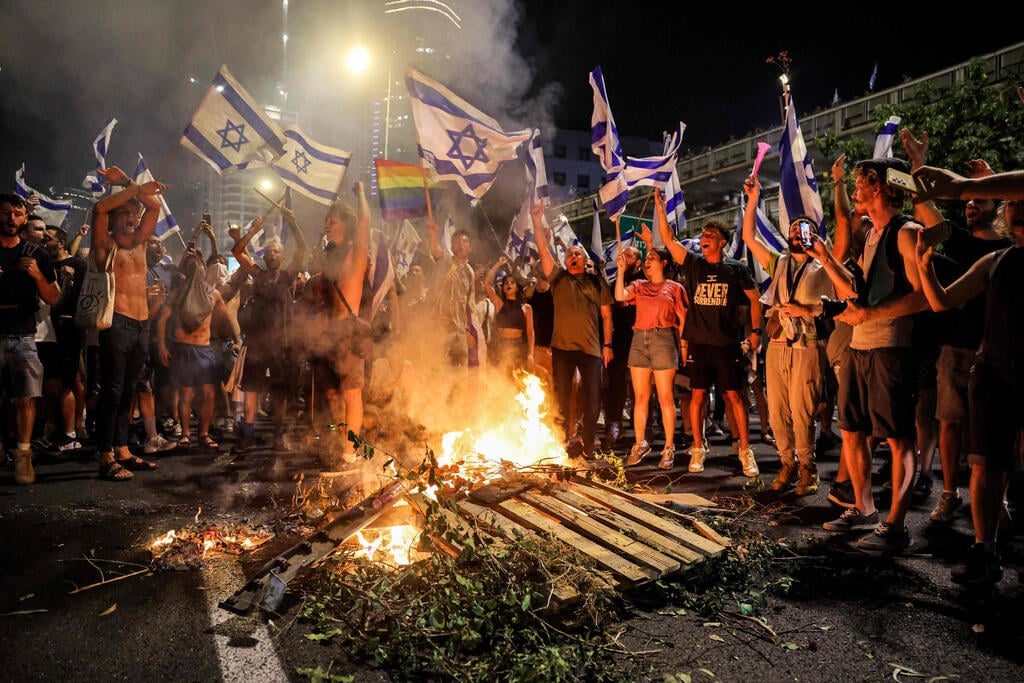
(910, 327)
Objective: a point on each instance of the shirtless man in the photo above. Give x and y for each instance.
(118, 226)
(193, 362)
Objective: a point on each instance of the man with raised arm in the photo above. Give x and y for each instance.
(793, 366)
(716, 287)
(26, 276)
(582, 335)
(118, 227)
(266, 322)
(877, 383)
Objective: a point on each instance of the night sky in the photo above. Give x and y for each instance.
(66, 67)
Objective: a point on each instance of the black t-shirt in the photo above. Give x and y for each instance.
(1003, 338)
(715, 291)
(70, 275)
(965, 327)
(543, 305)
(932, 328)
(19, 298)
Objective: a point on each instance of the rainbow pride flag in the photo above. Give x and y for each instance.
(400, 188)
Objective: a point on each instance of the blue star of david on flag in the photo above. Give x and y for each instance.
(229, 128)
(456, 150)
(301, 162)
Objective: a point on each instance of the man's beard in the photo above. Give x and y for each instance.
(797, 247)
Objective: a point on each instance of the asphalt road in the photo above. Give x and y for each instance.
(850, 619)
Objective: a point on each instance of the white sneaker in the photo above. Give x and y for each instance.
(748, 462)
(158, 444)
(697, 460)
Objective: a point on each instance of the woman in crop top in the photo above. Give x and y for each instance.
(513, 338)
(660, 313)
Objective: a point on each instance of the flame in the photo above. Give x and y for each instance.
(519, 439)
(210, 539)
(166, 539)
(394, 544)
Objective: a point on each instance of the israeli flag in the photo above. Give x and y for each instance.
(562, 237)
(52, 211)
(654, 171)
(310, 168)
(381, 271)
(611, 253)
(166, 220)
(93, 181)
(404, 249)
(230, 129)
(536, 174)
(457, 140)
(883, 143)
(446, 236)
(798, 190)
(604, 136)
(675, 204)
(596, 245)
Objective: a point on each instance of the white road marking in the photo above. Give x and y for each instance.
(245, 663)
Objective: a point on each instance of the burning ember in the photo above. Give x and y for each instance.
(393, 545)
(522, 438)
(181, 548)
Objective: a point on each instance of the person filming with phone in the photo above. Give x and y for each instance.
(793, 364)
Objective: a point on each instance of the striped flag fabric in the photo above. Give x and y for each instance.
(93, 181)
(457, 140)
(536, 174)
(766, 233)
(675, 204)
(611, 252)
(229, 129)
(166, 220)
(52, 211)
(400, 188)
(653, 171)
(446, 235)
(604, 136)
(798, 190)
(310, 168)
(883, 143)
(596, 245)
(381, 272)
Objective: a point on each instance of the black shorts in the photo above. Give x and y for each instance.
(996, 416)
(878, 392)
(926, 362)
(718, 365)
(71, 340)
(261, 361)
(49, 356)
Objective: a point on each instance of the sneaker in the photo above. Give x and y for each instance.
(948, 503)
(768, 438)
(170, 428)
(784, 479)
(697, 456)
(749, 463)
(851, 520)
(158, 444)
(841, 493)
(921, 489)
(886, 539)
(980, 567)
(638, 452)
(67, 444)
(808, 483)
(24, 474)
(714, 430)
(668, 458)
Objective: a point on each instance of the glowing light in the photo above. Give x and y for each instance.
(785, 79)
(219, 88)
(391, 545)
(266, 184)
(358, 60)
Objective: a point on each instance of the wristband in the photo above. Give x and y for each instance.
(607, 346)
(757, 331)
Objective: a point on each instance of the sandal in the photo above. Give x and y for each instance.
(184, 442)
(134, 462)
(206, 441)
(113, 471)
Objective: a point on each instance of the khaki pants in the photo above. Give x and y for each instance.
(795, 384)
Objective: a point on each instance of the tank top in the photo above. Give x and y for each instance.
(884, 279)
(1002, 345)
(511, 317)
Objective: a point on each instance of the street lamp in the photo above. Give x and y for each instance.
(357, 60)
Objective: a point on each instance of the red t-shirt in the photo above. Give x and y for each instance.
(657, 305)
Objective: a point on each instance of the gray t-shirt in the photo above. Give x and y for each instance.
(880, 334)
(578, 300)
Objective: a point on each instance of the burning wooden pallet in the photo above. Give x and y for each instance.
(621, 533)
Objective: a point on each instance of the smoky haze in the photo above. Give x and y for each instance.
(73, 65)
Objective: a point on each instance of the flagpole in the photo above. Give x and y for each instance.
(426, 191)
(273, 204)
(167, 163)
(494, 232)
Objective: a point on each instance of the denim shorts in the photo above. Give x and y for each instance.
(655, 349)
(21, 373)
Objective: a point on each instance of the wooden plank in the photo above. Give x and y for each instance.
(637, 551)
(622, 505)
(625, 571)
(659, 542)
(563, 594)
(684, 499)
